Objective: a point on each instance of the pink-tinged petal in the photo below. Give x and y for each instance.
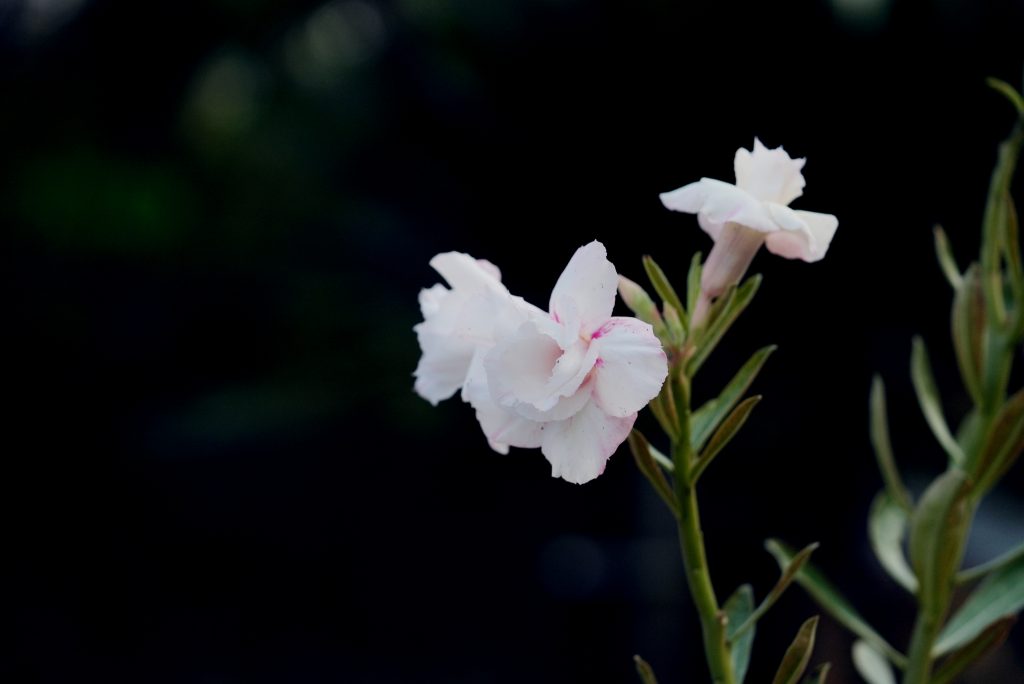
(632, 366)
(823, 228)
(769, 175)
(502, 426)
(579, 448)
(531, 368)
(565, 407)
(589, 282)
(806, 235)
(519, 367)
(464, 272)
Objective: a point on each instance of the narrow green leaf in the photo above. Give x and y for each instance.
(651, 470)
(797, 655)
(968, 326)
(996, 563)
(819, 675)
(707, 418)
(946, 260)
(936, 534)
(657, 407)
(986, 642)
(737, 609)
(887, 526)
(787, 577)
(1003, 444)
(829, 598)
(644, 670)
(693, 282)
(1009, 92)
(871, 665)
(663, 287)
(1000, 595)
(1011, 243)
(724, 313)
(993, 222)
(928, 398)
(726, 431)
(641, 304)
(883, 447)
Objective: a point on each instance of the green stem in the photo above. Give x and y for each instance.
(919, 659)
(698, 577)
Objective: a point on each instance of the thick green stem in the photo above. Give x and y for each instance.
(698, 578)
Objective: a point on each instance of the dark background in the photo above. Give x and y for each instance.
(219, 215)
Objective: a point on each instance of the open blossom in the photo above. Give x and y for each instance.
(569, 381)
(742, 217)
(459, 321)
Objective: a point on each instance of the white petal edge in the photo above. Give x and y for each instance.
(590, 282)
(579, 448)
(770, 175)
(806, 235)
(631, 366)
(502, 427)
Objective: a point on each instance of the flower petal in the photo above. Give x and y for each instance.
(464, 272)
(631, 366)
(589, 282)
(442, 368)
(531, 368)
(769, 175)
(806, 235)
(579, 448)
(717, 203)
(502, 427)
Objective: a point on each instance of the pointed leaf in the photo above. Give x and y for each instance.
(946, 260)
(797, 655)
(928, 397)
(1003, 444)
(707, 418)
(986, 642)
(641, 304)
(883, 447)
(737, 609)
(724, 313)
(730, 426)
(871, 665)
(829, 598)
(1000, 595)
(936, 534)
(1009, 92)
(644, 670)
(991, 566)
(787, 577)
(968, 325)
(887, 526)
(693, 282)
(663, 287)
(651, 470)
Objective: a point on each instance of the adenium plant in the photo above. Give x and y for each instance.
(570, 380)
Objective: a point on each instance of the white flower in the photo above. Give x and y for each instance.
(742, 217)
(569, 382)
(459, 321)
